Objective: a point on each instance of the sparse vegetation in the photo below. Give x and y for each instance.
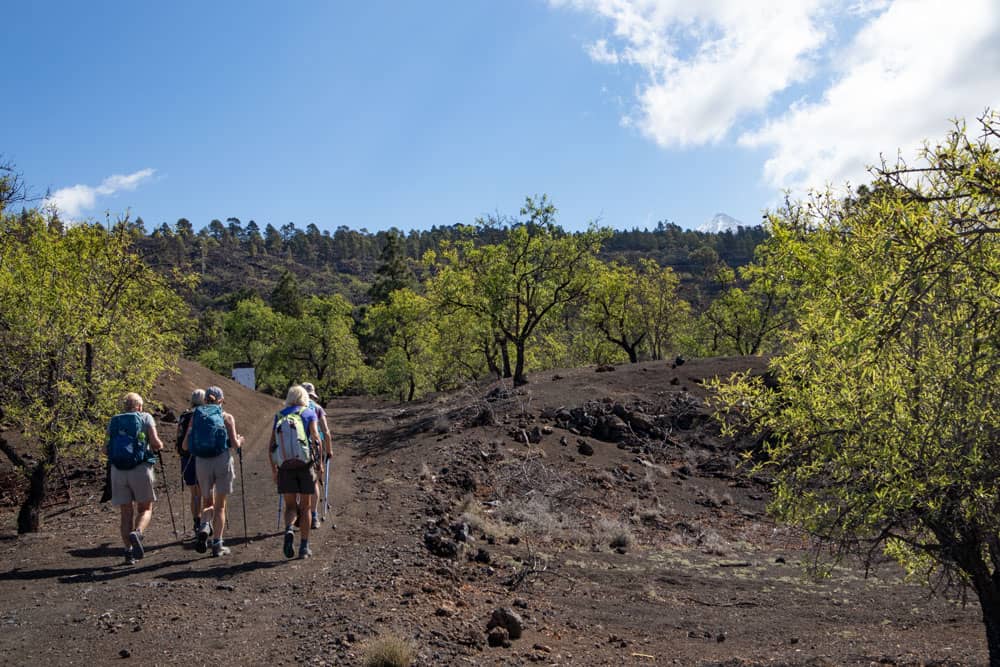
(388, 651)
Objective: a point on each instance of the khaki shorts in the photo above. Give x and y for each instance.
(217, 471)
(135, 485)
(297, 480)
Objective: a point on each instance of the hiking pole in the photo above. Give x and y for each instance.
(166, 485)
(280, 504)
(326, 487)
(243, 496)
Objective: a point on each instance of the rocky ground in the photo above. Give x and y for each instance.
(592, 517)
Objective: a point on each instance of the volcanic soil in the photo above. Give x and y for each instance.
(596, 515)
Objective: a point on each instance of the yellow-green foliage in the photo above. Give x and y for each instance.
(83, 320)
(514, 286)
(885, 424)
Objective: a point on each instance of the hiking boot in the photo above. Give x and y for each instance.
(305, 552)
(201, 546)
(289, 547)
(129, 558)
(220, 550)
(135, 537)
(315, 521)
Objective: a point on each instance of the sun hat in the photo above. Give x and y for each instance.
(311, 390)
(214, 393)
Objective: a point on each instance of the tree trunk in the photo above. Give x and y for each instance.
(519, 378)
(991, 619)
(505, 358)
(633, 356)
(29, 519)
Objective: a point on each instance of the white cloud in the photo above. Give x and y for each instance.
(708, 63)
(905, 75)
(714, 68)
(73, 201)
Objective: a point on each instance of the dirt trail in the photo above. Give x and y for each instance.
(707, 579)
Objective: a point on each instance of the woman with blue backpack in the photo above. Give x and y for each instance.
(131, 443)
(211, 439)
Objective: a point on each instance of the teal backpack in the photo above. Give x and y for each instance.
(126, 444)
(208, 432)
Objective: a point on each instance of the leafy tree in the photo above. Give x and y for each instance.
(663, 312)
(286, 297)
(393, 272)
(636, 308)
(465, 350)
(405, 322)
(250, 334)
(612, 307)
(272, 240)
(516, 284)
(82, 321)
(885, 423)
(748, 316)
(12, 187)
(218, 231)
(184, 228)
(323, 345)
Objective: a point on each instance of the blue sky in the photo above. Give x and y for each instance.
(405, 114)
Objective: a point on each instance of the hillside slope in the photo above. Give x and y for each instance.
(602, 508)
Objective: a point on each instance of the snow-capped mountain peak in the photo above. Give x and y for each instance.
(721, 222)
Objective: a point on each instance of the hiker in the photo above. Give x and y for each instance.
(132, 440)
(211, 439)
(325, 441)
(188, 470)
(294, 447)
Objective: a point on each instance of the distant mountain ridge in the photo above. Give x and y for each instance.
(721, 222)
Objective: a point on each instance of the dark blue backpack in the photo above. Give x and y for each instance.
(126, 445)
(208, 432)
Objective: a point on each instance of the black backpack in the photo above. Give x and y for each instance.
(183, 423)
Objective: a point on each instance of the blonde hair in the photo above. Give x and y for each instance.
(132, 402)
(197, 397)
(297, 395)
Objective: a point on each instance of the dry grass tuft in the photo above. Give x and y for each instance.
(388, 651)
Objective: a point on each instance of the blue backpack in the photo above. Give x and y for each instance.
(126, 445)
(208, 432)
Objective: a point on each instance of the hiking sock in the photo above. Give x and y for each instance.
(219, 549)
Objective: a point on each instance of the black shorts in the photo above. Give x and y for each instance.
(297, 480)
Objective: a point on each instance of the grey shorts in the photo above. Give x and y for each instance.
(217, 472)
(297, 480)
(132, 485)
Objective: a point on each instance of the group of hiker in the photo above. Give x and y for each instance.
(299, 448)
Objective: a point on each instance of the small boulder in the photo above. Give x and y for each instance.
(509, 620)
(497, 637)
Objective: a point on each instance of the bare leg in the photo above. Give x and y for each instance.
(207, 506)
(126, 524)
(195, 503)
(220, 515)
(306, 507)
(144, 514)
(291, 508)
